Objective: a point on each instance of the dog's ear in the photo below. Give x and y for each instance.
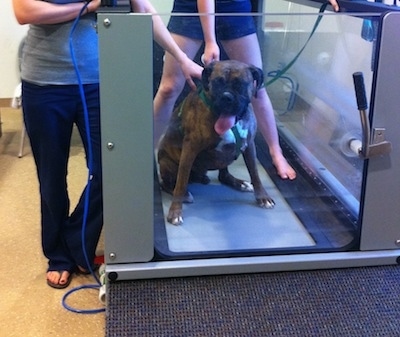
(258, 76)
(205, 76)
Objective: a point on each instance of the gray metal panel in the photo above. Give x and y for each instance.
(254, 264)
(126, 87)
(381, 220)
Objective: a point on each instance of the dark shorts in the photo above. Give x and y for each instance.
(227, 27)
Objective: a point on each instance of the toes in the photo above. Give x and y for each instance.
(178, 220)
(266, 203)
(175, 216)
(245, 186)
(283, 168)
(64, 277)
(53, 276)
(58, 277)
(287, 172)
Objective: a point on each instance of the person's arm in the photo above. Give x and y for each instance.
(206, 9)
(42, 12)
(162, 36)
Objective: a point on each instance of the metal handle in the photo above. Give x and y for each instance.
(370, 147)
(362, 105)
(359, 86)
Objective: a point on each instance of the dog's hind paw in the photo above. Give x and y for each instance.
(246, 186)
(188, 198)
(199, 178)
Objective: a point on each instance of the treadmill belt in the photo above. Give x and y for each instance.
(223, 219)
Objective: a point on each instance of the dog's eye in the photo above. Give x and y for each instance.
(219, 81)
(239, 85)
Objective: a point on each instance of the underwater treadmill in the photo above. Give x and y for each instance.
(336, 109)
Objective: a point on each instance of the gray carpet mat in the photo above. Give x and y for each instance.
(340, 302)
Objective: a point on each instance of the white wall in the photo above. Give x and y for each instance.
(162, 6)
(11, 34)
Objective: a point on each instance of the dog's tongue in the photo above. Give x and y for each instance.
(224, 123)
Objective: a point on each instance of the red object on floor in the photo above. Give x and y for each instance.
(99, 259)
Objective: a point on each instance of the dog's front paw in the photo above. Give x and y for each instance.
(178, 220)
(265, 202)
(175, 217)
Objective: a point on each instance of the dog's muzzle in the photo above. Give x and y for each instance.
(227, 97)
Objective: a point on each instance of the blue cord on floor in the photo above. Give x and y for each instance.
(89, 155)
(79, 311)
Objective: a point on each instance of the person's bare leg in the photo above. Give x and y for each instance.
(171, 85)
(246, 49)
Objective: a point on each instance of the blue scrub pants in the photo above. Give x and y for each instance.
(49, 115)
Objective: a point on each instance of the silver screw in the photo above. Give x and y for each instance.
(113, 256)
(110, 146)
(107, 22)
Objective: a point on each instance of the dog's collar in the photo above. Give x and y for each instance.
(205, 99)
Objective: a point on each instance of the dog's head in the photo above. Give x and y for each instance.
(230, 85)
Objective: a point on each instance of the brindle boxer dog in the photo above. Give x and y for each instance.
(208, 131)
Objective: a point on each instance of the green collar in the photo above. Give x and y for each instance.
(205, 99)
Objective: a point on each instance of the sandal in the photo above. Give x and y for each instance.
(59, 285)
(82, 271)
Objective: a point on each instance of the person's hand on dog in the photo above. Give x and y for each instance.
(162, 36)
(211, 53)
(190, 70)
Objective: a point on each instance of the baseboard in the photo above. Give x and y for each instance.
(5, 102)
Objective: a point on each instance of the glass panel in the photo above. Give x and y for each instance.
(308, 76)
(314, 99)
